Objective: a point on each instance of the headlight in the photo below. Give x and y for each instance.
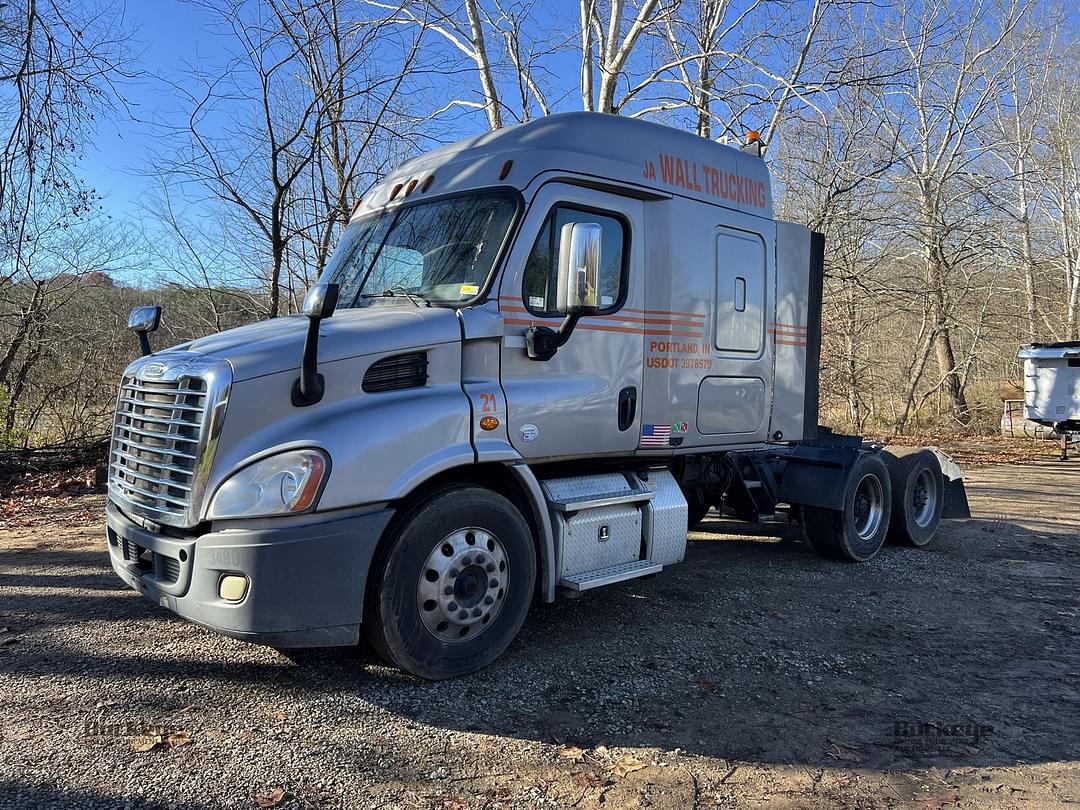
(283, 484)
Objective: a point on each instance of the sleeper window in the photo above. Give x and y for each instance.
(542, 268)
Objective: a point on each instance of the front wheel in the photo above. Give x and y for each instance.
(454, 585)
(856, 532)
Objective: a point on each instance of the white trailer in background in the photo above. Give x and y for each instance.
(1052, 387)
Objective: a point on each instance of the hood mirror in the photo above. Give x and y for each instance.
(320, 302)
(142, 321)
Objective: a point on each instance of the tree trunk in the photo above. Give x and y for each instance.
(487, 83)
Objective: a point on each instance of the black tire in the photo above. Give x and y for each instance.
(918, 497)
(696, 510)
(857, 532)
(436, 646)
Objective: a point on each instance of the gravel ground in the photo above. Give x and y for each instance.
(752, 675)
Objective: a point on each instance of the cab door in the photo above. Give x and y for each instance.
(586, 399)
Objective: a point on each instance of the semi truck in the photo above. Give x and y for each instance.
(535, 358)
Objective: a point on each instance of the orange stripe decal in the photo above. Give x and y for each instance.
(667, 312)
(603, 327)
(515, 305)
(619, 318)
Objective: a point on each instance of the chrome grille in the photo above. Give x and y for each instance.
(157, 462)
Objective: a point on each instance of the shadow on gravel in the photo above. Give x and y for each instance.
(964, 654)
(17, 795)
(63, 559)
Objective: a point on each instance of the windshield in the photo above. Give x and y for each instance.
(441, 251)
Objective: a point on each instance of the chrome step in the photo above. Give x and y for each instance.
(609, 575)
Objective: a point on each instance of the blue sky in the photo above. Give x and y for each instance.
(172, 36)
(169, 35)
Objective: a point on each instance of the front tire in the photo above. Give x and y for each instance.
(856, 532)
(454, 585)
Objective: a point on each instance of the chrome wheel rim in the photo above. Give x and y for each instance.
(924, 497)
(463, 585)
(869, 507)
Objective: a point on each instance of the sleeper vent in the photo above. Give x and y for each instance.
(397, 372)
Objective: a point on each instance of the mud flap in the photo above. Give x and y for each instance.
(956, 502)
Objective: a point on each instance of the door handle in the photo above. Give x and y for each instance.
(627, 407)
(740, 294)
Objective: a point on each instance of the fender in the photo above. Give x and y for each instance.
(546, 561)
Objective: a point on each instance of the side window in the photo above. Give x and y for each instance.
(542, 267)
(740, 291)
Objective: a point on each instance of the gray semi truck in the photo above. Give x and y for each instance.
(535, 357)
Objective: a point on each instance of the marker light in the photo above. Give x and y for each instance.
(283, 484)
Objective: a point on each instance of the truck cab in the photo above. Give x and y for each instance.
(534, 358)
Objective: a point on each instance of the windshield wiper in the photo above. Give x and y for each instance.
(393, 292)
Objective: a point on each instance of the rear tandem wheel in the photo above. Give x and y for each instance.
(856, 532)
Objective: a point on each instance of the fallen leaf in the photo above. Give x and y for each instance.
(177, 739)
(626, 764)
(453, 804)
(148, 742)
(937, 801)
(572, 753)
(706, 685)
(278, 715)
(273, 798)
(144, 743)
(591, 780)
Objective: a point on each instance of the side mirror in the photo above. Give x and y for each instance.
(321, 300)
(142, 321)
(578, 290)
(579, 268)
(319, 303)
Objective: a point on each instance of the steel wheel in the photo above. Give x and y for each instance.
(856, 531)
(924, 498)
(869, 506)
(918, 496)
(462, 586)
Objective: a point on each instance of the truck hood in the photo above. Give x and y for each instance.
(276, 345)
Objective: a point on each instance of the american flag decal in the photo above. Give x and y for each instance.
(655, 435)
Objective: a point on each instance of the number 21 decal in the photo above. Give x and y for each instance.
(489, 403)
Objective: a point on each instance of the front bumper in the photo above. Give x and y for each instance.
(305, 581)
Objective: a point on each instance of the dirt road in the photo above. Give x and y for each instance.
(753, 675)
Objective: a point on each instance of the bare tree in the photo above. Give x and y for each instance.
(939, 117)
(606, 48)
(1061, 170)
(299, 71)
(59, 65)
